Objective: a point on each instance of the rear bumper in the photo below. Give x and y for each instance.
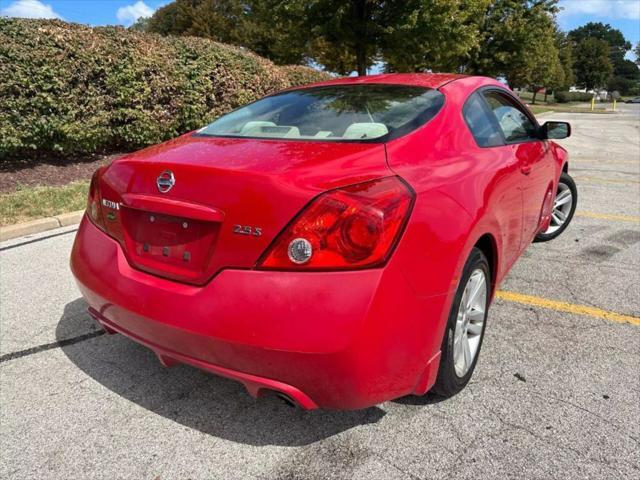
(340, 340)
(168, 358)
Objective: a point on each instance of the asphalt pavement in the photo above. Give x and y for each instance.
(556, 393)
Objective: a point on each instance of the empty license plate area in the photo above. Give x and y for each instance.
(175, 247)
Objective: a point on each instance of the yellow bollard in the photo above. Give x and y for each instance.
(593, 103)
(614, 104)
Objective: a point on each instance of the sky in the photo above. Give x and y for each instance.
(621, 14)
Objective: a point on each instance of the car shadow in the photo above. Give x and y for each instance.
(426, 399)
(213, 405)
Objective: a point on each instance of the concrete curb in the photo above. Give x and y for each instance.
(40, 225)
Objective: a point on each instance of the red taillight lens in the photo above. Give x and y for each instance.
(352, 227)
(94, 210)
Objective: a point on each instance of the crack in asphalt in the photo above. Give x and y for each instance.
(9, 247)
(50, 346)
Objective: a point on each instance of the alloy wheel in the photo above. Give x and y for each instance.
(470, 322)
(561, 208)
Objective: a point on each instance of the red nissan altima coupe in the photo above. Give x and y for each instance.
(336, 244)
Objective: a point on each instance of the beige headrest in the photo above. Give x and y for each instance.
(365, 130)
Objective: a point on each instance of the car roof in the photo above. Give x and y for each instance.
(427, 80)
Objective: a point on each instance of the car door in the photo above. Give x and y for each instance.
(520, 131)
(497, 157)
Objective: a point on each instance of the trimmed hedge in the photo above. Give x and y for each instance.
(68, 89)
(565, 97)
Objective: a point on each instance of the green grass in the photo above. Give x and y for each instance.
(29, 203)
(527, 97)
(571, 107)
(538, 109)
(563, 108)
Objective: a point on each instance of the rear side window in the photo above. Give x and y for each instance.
(514, 123)
(481, 122)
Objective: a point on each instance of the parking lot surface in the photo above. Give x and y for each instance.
(556, 393)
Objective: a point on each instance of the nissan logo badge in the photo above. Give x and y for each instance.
(165, 181)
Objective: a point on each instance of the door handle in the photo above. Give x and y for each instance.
(525, 169)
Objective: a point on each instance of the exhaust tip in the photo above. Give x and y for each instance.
(290, 402)
(98, 318)
(166, 361)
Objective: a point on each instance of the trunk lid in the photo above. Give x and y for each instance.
(192, 206)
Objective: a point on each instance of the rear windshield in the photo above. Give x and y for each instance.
(335, 113)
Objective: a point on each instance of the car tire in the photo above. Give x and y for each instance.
(565, 184)
(451, 379)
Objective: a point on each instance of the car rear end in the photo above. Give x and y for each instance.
(263, 260)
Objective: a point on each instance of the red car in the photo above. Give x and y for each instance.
(336, 244)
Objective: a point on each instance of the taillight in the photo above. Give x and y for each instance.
(352, 227)
(94, 210)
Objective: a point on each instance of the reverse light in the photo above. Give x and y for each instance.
(352, 227)
(300, 251)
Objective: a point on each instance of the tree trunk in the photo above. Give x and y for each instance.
(535, 92)
(361, 32)
(361, 61)
(545, 95)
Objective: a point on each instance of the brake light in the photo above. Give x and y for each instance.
(352, 227)
(94, 210)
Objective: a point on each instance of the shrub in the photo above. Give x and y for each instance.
(68, 89)
(565, 97)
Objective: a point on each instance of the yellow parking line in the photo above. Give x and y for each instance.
(607, 216)
(566, 307)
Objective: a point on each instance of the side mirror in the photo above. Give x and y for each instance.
(555, 130)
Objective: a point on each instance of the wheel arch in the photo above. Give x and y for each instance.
(488, 246)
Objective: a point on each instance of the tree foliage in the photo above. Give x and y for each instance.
(346, 34)
(342, 35)
(618, 45)
(69, 89)
(624, 73)
(408, 35)
(141, 25)
(271, 28)
(565, 56)
(592, 63)
(439, 35)
(517, 41)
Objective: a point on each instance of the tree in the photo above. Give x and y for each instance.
(565, 56)
(618, 45)
(163, 20)
(276, 29)
(224, 21)
(347, 33)
(546, 68)
(141, 24)
(637, 53)
(341, 35)
(408, 35)
(514, 39)
(593, 66)
(271, 28)
(493, 37)
(625, 73)
(439, 35)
